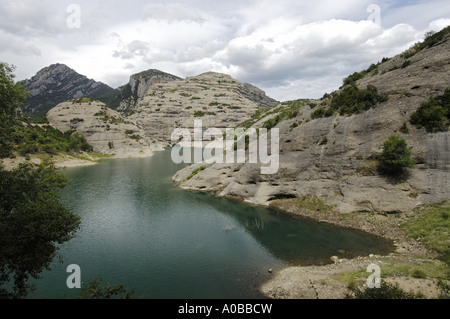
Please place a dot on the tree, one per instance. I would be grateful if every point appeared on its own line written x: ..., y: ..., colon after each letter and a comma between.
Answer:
x: 33, y: 224
x: 96, y: 289
x: 11, y: 94
x: 396, y: 156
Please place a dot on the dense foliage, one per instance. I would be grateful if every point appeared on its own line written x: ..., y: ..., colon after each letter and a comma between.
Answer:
x: 11, y: 94
x: 24, y: 138
x: 396, y: 156
x: 434, y: 114
x: 351, y: 100
x: 33, y: 223
x: 386, y: 291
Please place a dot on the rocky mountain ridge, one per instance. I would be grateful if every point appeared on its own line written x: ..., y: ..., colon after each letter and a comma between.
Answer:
x: 58, y: 83
x: 332, y: 157
x: 130, y: 94
x: 217, y: 99
x: 106, y: 130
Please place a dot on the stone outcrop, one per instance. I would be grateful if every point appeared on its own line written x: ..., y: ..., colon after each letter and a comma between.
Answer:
x: 332, y: 157
x: 105, y: 129
x: 137, y: 87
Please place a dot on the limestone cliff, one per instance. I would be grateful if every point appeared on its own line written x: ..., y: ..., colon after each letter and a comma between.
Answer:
x: 130, y: 94
x: 332, y: 157
x: 217, y: 99
x: 105, y: 129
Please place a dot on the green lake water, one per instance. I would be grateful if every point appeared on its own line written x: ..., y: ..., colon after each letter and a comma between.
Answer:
x: 140, y: 231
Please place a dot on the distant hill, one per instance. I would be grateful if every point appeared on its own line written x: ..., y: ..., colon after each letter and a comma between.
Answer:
x: 218, y: 99
x: 58, y: 83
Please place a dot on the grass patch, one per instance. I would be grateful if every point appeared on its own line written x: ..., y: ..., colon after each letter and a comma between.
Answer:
x: 195, y: 172
x: 431, y: 225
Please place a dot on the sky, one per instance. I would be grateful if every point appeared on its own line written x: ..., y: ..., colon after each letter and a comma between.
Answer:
x: 291, y: 49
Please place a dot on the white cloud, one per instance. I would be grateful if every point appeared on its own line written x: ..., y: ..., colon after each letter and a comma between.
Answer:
x: 291, y: 49
x: 171, y: 12
x: 30, y: 18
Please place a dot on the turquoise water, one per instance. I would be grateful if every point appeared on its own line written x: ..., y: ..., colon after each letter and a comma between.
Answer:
x: 141, y: 232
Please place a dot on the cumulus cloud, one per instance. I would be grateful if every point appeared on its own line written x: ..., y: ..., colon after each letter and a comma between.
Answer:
x: 289, y: 48
x: 132, y: 50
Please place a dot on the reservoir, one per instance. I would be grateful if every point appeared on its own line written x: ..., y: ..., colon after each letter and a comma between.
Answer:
x: 139, y: 231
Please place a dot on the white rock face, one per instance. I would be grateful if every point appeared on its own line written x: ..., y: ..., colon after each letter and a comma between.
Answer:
x: 331, y: 158
x: 217, y: 99
x: 106, y: 130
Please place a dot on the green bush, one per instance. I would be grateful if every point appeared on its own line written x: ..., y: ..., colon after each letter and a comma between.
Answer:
x: 396, y: 156
x: 418, y: 273
x: 434, y: 114
x: 406, y: 64
x: 351, y: 79
x: 199, y: 114
x: 351, y: 100
x: 386, y: 291
x: 12, y: 94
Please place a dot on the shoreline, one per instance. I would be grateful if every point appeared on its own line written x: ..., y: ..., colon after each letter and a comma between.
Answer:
x: 331, y: 281
x: 322, y: 281
x: 67, y: 161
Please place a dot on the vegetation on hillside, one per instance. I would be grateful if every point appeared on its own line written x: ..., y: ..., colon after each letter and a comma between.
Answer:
x: 12, y: 94
x: 23, y: 138
x: 431, y: 39
x: 20, y: 137
x: 433, y: 114
x: 350, y: 100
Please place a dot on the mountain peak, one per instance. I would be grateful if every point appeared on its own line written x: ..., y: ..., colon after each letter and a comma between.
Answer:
x: 57, y: 83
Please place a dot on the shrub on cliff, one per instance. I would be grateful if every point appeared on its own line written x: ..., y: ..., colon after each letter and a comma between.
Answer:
x: 433, y: 114
x: 396, y: 156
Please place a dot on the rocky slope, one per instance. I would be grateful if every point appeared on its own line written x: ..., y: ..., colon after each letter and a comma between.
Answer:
x: 217, y: 99
x: 130, y: 94
x: 331, y: 157
x: 58, y: 83
x: 105, y: 129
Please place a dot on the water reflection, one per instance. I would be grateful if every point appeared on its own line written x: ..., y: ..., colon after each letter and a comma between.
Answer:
x: 140, y: 231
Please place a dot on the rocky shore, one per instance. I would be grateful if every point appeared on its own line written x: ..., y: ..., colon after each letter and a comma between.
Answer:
x: 331, y: 281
